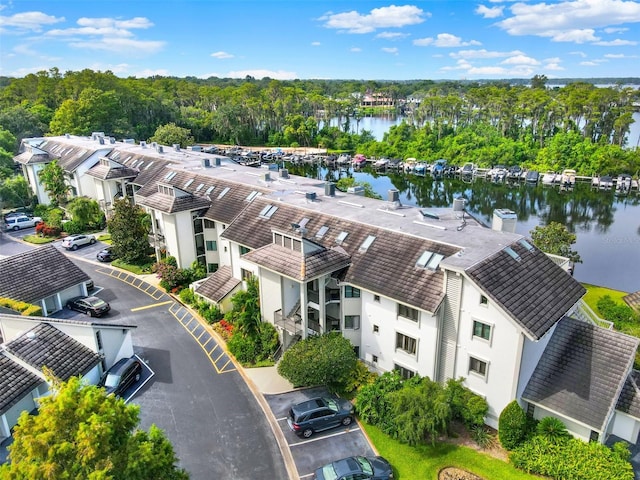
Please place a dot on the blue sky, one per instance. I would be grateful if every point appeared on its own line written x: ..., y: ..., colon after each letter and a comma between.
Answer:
x: 357, y: 39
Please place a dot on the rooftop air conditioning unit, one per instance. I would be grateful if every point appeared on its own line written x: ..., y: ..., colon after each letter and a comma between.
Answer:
x: 310, y: 196
x: 504, y: 220
x: 266, y: 177
x: 356, y: 190
x: 330, y: 189
x: 143, y: 144
x: 393, y: 195
x: 206, y: 163
x: 159, y: 149
x: 176, y: 147
x: 459, y: 204
x: 284, y: 173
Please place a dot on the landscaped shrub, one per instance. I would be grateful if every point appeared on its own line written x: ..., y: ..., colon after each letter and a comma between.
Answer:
x: 373, y: 403
x: 466, y: 406
x: 513, y: 426
x: 572, y: 459
x: 552, y: 429
x: 360, y: 376
x: 25, y: 309
x: 73, y: 228
x: 224, y: 329
x: 616, y: 312
x: 482, y: 436
x: 188, y: 296
x: 46, y: 230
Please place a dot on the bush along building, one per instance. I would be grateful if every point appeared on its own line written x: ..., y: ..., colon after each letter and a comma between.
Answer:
x: 424, y: 291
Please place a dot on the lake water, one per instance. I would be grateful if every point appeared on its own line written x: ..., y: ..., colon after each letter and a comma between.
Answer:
x: 607, y: 226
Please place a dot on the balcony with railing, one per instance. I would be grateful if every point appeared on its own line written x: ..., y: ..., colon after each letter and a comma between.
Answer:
x: 331, y: 295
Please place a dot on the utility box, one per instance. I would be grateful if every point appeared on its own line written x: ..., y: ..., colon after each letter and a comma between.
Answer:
x: 504, y: 220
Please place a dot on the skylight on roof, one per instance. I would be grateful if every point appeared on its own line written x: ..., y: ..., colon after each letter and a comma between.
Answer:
x: 209, y: 190
x: 147, y: 167
x: 140, y: 164
x: 223, y: 192
x: 199, y: 187
x: 170, y: 175
x: 267, y: 211
x: 424, y: 259
x: 324, y: 229
x: 116, y: 155
x: 367, y: 243
x: 341, y: 237
x: 434, y: 261
x: 526, y: 244
x: 252, y: 195
x: 512, y: 253
x: 188, y: 182
x: 303, y: 222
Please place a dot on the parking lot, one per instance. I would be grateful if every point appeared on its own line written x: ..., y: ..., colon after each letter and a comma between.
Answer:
x: 323, y: 447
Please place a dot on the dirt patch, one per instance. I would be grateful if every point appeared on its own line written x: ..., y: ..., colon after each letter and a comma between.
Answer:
x: 452, y: 473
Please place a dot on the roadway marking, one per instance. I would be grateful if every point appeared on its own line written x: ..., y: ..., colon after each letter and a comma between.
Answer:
x: 344, y: 432
x: 151, y: 306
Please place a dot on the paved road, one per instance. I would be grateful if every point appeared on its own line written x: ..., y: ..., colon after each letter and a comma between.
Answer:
x: 214, y: 422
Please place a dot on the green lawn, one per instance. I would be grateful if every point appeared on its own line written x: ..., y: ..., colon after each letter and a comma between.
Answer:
x: 38, y: 240
x: 425, y: 461
x: 595, y: 293
x: 135, y: 269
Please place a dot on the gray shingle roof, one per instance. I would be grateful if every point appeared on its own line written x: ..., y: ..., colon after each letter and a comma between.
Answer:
x: 534, y: 291
x: 388, y: 267
x: 105, y: 172
x: 15, y: 382
x: 45, y: 345
x: 294, y: 264
x: 170, y: 204
x: 30, y: 156
x: 69, y: 153
x: 218, y: 285
x: 629, y: 401
x: 582, y: 371
x: 37, y: 274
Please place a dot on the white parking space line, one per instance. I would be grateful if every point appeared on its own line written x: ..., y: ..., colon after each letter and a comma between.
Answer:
x: 307, y: 475
x: 143, y: 383
x: 326, y: 436
x: 280, y: 419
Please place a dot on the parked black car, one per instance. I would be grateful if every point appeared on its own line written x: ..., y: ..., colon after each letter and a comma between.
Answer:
x: 318, y: 414
x: 122, y: 374
x: 94, y: 306
x: 105, y: 255
x: 362, y: 468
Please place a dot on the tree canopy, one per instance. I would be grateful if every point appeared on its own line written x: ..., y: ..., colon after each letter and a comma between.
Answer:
x: 554, y: 238
x: 54, y: 183
x: 80, y: 432
x: 129, y: 228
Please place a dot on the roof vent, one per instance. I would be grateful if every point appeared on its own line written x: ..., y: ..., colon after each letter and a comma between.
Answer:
x: 159, y: 149
x: 284, y: 173
x: 143, y: 144
x: 393, y: 195
x: 66, y: 135
x: 206, y: 163
x: 101, y: 140
x: 218, y: 161
x: 176, y: 147
x: 310, y: 196
x: 266, y: 177
x: 195, y: 148
x: 356, y: 190
x: 130, y: 141
x: 459, y: 204
x: 504, y: 220
x: 112, y: 140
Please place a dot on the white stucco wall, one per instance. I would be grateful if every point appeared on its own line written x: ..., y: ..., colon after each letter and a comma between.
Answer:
x: 576, y: 429
x: 270, y: 294
x: 531, y: 354
x: 179, y: 237
x: 625, y: 427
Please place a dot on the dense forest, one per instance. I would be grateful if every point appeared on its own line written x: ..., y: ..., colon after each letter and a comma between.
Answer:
x: 537, y: 125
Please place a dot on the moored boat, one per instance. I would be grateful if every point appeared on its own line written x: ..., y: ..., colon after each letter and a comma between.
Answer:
x: 549, y: 177
x: 532, y: 176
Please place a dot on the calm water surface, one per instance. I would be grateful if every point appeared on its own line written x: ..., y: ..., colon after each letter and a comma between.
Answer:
x: 607, y: 226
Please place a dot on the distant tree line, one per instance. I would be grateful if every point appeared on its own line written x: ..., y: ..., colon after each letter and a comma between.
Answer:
x: 578, y: 126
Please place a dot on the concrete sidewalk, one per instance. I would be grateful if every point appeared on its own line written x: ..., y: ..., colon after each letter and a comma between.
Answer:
x: 267, y: 380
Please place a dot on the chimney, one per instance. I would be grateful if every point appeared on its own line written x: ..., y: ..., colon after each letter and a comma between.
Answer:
x: 504, y: 220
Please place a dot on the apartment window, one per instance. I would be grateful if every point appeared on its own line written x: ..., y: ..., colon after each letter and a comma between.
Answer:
x: 484, y: 300
x: 374, y: 359
x: 246, y: 274
x: 407, y: 312
x: 593, y: 436
x: 531, y: 409
x: 212, y: 267
x: 478, y: 367
x: 352, y: 322
x: 244, y: 250
x: 209, y: 224
x: 351, y: 292
x: 212, y: 246
x: 376, y: 329
x: 406, y: 343
x: 376, y: 298
x: 99, y: 340
x: 481, y: 330
x: 197, y: 226
x: 404, y: 372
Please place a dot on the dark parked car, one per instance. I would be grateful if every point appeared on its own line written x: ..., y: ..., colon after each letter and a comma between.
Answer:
x: 124, y: 373
x: 94, y: 306
x: 105, y: 255
x: 361, y: 468
x: 318, y: 414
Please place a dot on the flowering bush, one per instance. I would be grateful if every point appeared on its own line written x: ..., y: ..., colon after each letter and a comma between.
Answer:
x: 45, y: 230
x: 224, y: 329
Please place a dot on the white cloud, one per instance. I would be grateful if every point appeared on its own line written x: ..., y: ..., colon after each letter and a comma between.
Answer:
x: 616, y: 43
x: 89, y: 31
x: 161, y: 72
x: 391, y: 35
x: 589, y: 64
x: 423, y: 42
x: 569, y: 20
x: 28, y: 21
x: 520, y: 60
x: 391, y: 50
x: 619, y: 55
x: 355, y: 49
x: 553, y: 66
x: 484, y: 54
x: 261, y: 73
x: 489, y: 12
x: 315, y: 44
x: 385, y: 17
x: 615, y: 30
x: 221, y: 55
x: 448, y: 40
x: 580, y: 54
x: 121, y: 45
x: 106, y: 22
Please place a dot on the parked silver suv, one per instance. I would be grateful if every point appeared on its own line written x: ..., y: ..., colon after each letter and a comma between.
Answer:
x: 72, y: 242
x: 18, y: 222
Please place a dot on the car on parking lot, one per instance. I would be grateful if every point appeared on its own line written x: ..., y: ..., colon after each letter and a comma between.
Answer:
x: 105, y: 255
x: 93, y: 306
x: 352, y: 468
x: 122, y: 374
x: 72, y: 242
x: 318, y: 414
x: 18, y: 222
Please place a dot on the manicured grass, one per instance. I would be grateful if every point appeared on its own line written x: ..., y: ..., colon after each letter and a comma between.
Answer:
x: 595, y: 293
x: 38, y: 240
x: 135, y: 269
x: 425, y: 461
x: 105, y: 237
